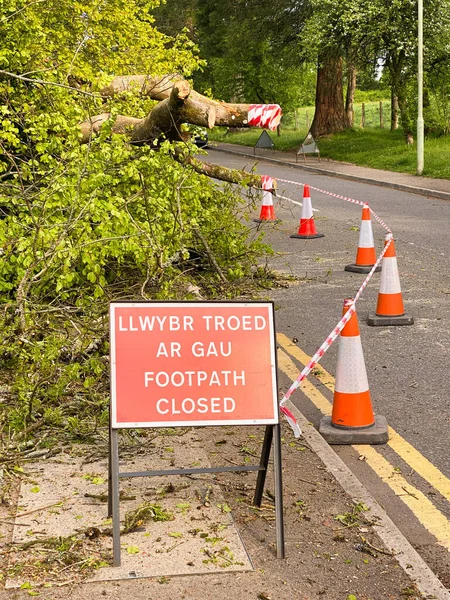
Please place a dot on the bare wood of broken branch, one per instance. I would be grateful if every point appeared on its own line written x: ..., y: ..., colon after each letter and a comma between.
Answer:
x: 160, y: 88
x: 177, y: 99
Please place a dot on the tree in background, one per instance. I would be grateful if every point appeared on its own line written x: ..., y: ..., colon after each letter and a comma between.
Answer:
x: 256, y: 47
x: 245, y: 60
x: 384, y: 32
x: 264, y: 49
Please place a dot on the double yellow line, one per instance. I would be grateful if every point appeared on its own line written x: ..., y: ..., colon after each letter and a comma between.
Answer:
x: 424, y: 510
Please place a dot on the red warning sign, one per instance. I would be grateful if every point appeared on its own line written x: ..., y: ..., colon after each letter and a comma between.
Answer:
x: 192, y: 363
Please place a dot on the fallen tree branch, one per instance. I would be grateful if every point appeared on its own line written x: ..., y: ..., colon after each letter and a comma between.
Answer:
x: 218, y: 172
x: 159, y: 88
x: 178, y: 104
x: 44, y: 82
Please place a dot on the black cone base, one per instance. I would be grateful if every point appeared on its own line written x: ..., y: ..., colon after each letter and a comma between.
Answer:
x: 387, y: 321
x: 307, y: 237
x: 375, y: 434
x: 354, y: 268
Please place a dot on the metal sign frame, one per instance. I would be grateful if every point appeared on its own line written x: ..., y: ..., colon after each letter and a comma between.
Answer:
x: 309, y: 146
x: 272, y: 437
x: 264, y: 141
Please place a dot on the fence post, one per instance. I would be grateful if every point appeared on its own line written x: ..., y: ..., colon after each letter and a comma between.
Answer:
x: 363, y: 115
x: 295, y: 120
x: 307, y: 121
x: 381, y: 114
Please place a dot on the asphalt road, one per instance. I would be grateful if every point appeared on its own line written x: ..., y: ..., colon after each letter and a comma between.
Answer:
x: 407, y: 367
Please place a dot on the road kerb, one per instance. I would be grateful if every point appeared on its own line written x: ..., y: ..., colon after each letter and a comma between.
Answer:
x: 411, y: 562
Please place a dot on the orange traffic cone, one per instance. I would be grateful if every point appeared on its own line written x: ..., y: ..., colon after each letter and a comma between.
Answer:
x: 267, y: 212
x: 390, y: 309
x: 365, y: 256
x: 352, y: 420
x: 307, y: 229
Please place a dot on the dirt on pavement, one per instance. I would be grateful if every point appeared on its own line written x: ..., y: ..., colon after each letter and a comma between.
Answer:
x: 332, y: 549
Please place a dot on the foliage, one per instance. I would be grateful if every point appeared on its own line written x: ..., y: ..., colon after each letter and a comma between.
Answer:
x: 83, y: 225
x: 84, y: 39
x: 437, y: 106
x: 371, y: 95
x: 256, y: 48
x: 243, y: 66
x: 245, y: 62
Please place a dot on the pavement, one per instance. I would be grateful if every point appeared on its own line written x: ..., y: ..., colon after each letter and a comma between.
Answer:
x: 425, y: 186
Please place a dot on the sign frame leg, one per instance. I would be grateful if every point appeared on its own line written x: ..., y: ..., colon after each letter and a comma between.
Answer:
x: 110, y: 509
x: 278, y: 467
x: 272, y: 434
x: 264, y: 462
x: 114, y: 496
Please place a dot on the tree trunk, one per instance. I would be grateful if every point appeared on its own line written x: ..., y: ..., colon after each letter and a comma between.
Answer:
x: 351, y: 87
x: 399, y: 84
x: 330, y: 114
x: 394, y: 110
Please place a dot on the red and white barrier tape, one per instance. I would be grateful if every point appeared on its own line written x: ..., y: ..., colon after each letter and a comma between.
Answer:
x: 377, y: 218
x: 346, y: 198
x: 336, y: 331
x: 267, y: 182
x: 340, y: 326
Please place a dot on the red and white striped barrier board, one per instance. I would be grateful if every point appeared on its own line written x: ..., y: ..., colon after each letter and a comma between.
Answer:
x: 267, y: 116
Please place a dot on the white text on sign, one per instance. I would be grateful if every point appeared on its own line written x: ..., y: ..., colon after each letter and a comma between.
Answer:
x: 186, y: 323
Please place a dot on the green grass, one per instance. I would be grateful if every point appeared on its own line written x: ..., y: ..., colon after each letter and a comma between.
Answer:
x: 371, y: 147
x: 383, y: 149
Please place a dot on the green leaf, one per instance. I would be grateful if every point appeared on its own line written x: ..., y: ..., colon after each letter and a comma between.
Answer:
x: 132, y: 549
x: 97, y: 480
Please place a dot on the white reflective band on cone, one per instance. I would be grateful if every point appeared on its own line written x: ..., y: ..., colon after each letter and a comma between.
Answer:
x: 267, y: 199
x: 390, y: 281
x: 307, y: 212
x: 351, y: 376
x: 366, y: 235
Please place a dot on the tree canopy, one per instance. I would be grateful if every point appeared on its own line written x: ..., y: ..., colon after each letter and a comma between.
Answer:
x: 259, y: 47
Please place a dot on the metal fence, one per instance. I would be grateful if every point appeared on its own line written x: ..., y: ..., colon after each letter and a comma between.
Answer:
x: 365, y: 114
